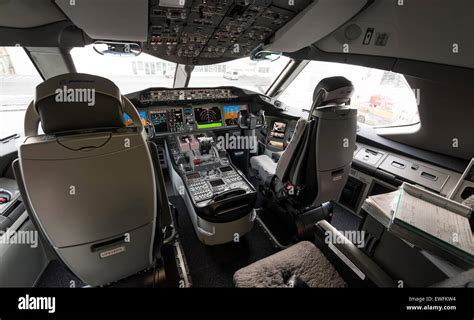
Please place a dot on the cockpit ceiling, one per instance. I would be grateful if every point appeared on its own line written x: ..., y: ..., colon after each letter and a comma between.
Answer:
x: 28, y: 14
x: 435, y: 31
x: 211, y: 31
x: 197, y: 32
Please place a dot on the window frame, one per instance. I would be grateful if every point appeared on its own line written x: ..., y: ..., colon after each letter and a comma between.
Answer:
x: 19, y: 129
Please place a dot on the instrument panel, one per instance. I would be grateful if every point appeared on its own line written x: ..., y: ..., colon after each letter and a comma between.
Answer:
x: 129, y: 121
x: 191, y: 118
x: 180, y: 110
x: 157, y: 95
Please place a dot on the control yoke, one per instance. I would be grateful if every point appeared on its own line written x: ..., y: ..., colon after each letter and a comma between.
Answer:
x: 250, y: 121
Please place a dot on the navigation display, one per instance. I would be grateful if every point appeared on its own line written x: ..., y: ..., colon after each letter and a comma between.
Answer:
x: 208, y: 117
x: 231, y: 114
x: 129, y: 121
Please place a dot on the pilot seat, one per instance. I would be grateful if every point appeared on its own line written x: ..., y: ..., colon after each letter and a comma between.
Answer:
x: 89, y: 182
x: 315, y: 165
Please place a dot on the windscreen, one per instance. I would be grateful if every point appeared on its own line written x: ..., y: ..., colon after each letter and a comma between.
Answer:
x: 128, y: 73
x: 243, y: 73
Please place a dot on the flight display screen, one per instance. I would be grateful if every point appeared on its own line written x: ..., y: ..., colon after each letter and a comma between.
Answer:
x: 231, y: 114
x: 208, y: 117
x: 159, y: 120
x: 279, y: 129
x: 129, y: 121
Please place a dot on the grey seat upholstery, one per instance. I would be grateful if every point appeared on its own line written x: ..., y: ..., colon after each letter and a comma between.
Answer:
x: 265, y: 166
x: 316, y: 163
x: 89, y: 182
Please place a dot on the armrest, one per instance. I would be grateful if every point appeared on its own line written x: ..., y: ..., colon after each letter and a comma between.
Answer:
x: 5, y: 223
x: 364, y: 263
x: 276, y: 156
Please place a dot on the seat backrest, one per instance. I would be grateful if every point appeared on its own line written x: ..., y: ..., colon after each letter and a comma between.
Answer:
x: 319, y: 156
x: 89, y: 181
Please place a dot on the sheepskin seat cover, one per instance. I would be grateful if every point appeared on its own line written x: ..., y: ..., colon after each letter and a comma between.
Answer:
x: 303, y: 260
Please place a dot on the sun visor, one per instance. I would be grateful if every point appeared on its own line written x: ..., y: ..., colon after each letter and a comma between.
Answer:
x: 317, y: 21
x: 109, y: 19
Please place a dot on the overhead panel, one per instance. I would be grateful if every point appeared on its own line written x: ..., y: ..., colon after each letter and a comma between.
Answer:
x: 209, y: 31
x: 320, y: 19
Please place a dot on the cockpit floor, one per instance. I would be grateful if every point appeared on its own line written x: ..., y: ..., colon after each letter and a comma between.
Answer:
x: 214, y: 266
x: 208, y: 266
x: 56, y: 275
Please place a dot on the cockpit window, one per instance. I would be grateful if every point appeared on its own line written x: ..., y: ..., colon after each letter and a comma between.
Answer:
x: 243, y: 73
x: 18, y: 79
x: 382, y: 98
x: 128, y: 73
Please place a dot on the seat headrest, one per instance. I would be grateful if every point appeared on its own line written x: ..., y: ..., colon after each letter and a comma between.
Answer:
x: 78, y: 101
x: 337, y: 90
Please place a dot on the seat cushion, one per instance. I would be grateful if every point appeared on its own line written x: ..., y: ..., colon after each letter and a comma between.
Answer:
x: 265, y: 166
x: 303, y: 260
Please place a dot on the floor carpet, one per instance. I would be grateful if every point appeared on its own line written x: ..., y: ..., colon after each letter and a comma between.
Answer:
x: 214, y: 266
